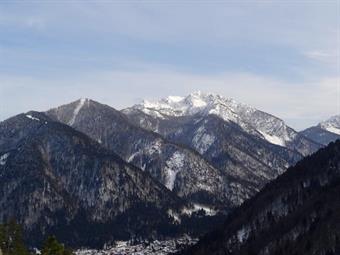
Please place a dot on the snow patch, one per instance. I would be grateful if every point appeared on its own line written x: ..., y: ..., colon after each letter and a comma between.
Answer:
x: 133, y: 155
x: 202, y: 140
x: 273, y: 139
x: 175, y: 99
x: 332, y: 124
x: 333, y: 130
x: 197, y: 207
x: 173, y: 166
x: 155, y: 147
x: 31, y: 117
x: 242, y: 234
x: 3, y: 159
x: 174, y: 215
x: 306, y: 184
x: 196, y: 100
x: 76, y: 110
x: 208, y: 210
x: 36, y: 251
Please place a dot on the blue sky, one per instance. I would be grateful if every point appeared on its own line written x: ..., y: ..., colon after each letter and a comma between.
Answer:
x: 279, y: 56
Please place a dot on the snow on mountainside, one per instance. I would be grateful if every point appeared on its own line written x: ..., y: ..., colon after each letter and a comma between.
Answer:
x: 239, y: 140
x: 178, y: 168
x: 77, y: 109
x: 253, y: 121
x: 331, y: 125
x: 325, y: 132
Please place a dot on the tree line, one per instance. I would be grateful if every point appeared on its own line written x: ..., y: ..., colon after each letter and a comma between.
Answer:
x: 12, y: 242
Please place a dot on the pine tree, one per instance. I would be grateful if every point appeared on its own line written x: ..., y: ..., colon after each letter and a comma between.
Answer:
x: 11, y: 239
x: 53, y: 247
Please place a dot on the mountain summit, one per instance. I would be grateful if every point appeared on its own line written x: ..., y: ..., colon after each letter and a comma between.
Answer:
x: 325, y: 132
x: 253, y: 121
x: 241, y: 141
x: 331, y: 125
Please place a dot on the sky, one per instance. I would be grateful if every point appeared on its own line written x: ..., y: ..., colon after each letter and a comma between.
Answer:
x: 282, y: 57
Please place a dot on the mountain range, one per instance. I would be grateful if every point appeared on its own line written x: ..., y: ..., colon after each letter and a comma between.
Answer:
x: 177, y: 167
x: 91, y: 174
x: 237, y: 139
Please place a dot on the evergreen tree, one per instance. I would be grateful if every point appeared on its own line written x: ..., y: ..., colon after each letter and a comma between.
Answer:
x: 53, y: 247
x: 11, y: 240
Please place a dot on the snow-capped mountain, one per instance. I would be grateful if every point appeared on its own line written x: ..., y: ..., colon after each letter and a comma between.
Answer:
x: 325, y: 132
x: 177, y: 167
x: 237, y: 139
x: 331, y: 125
x: 251, y: 120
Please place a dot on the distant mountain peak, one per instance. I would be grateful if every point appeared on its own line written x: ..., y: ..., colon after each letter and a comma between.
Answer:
x: 332, y: 124
x: 196, y: 102
x: 325, y: 132
x: 81, y: 103
x: 68, y: 113
x: 254, y: 121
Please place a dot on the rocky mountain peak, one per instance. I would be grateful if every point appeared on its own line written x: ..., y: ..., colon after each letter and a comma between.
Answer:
x: 196, y: 102
x: 325, y: 132
x: 331, y: 125
x: 250, y: 119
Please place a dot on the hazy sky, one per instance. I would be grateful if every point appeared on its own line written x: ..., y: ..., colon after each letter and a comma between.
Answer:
x: 279, y: 56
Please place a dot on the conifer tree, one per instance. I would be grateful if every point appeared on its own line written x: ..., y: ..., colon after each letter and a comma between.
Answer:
x: 11, y: 239
x: 53, y: 247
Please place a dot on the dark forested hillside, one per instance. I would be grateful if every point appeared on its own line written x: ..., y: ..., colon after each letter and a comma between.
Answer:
x: 298, y: 213
x: 320, y: 135
x: 56, y: 180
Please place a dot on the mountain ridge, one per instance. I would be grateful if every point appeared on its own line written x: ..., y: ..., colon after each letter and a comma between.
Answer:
x: 294, y: 214
x: 325, y: 132
x: 55, y: 177
x: 253, y: 121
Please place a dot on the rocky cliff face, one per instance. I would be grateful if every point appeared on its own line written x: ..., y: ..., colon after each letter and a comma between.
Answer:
x: 251, y: 120
x: 298, y: 213
x: 54, y: 179
x: 229, y: 148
